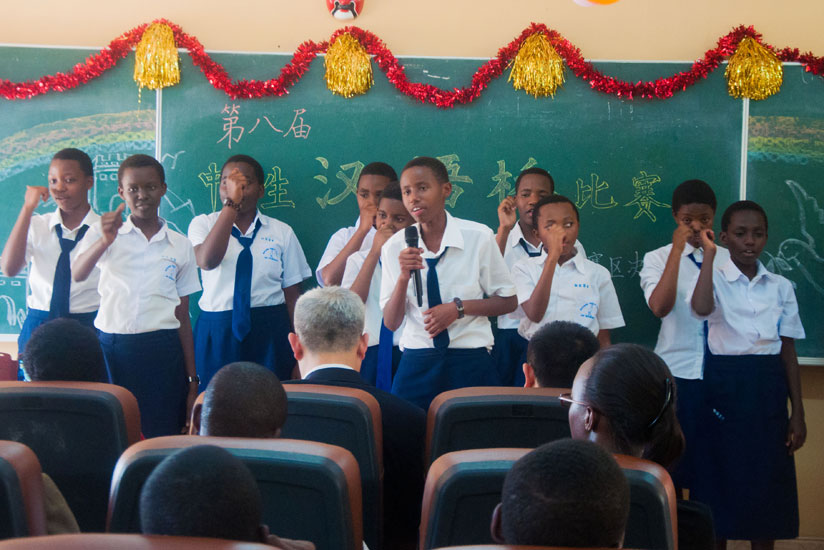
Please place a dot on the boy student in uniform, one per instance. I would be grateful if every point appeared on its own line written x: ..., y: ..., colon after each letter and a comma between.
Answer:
x: 667, y: 277
x: 252, y: 267
x: 348, y: 240
x: 49, y: 242
x: 147, y: 272
x: 563, y: 284
x: 445, y: 342
x: 747, y: 475
x: 362, y: 277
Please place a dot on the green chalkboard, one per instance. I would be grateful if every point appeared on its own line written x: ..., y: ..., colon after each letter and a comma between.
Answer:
x: 785, y: 174
x: 618, y: 160
x: 107, y: 118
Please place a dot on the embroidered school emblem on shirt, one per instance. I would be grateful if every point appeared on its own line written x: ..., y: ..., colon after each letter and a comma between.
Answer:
x: 272, y: 254
x: 589, y: 310
x: 170, y: 272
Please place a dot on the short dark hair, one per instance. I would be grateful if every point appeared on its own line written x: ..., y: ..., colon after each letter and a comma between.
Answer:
x: 741, y: 206
x: 243, y: 400
x: 64, y: 349
x: 378, y: 169
x: 565, y: 493
x: 557, y: 350
x: 202, y: 491
x: 538, y: 171
x: 392, y: 191
x: 70, y: 153
x: 246, y: 159
x: 552, y: 199
x: 633, y: 387
x: 693, y: 192
x: 141, y: 161
x: 434, y: 165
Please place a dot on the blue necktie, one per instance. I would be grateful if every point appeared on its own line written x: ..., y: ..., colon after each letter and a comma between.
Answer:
x: 433, y: 295
x: 526, y: 249
x: 383, y: 379
x: 691, y: 256
x: 61, y: 288
x: 242, y: 303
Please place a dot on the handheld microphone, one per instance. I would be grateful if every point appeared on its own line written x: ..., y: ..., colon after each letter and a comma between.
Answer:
x: 411, y: 236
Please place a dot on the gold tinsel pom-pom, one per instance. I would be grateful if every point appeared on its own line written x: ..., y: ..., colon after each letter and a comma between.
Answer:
x: 753, y: 71
x: 537, y: 68
x: 348, y: 67
x: 156, y: 59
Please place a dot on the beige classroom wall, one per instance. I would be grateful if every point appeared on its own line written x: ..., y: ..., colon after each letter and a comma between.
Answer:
x: 628, y: 30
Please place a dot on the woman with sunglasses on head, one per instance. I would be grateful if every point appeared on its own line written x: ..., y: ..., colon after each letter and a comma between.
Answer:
x: 623, y: 399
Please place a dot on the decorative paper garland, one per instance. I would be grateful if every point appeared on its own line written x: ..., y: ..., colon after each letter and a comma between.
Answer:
x: 217, y: 76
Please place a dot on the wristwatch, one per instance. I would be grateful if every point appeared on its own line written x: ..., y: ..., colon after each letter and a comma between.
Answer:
x: 459, y: 305
x: 194, y: 378
x: 231, y: 204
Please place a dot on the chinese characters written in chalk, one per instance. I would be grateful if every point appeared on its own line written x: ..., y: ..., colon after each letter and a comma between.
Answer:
x: 503, y: 187
x: 275, y: 192
x: 233, y: 131
x: 619, y: 266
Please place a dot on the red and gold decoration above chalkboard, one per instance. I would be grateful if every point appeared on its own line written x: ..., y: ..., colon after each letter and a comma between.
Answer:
x: 754, y: 70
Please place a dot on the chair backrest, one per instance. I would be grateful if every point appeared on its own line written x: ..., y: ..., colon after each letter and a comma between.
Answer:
x: 8, y: 367
x: 481, y: 418
x: 652, y: 517
x: 460, y: 494
x: 105, y: 541
x: 465, y: 486
x: 77, y: 430
x: 311, y: 491
x: 22, y: 512
x: 349, y: 418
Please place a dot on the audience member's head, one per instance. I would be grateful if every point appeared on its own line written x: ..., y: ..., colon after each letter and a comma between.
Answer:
x: 329, y: 329
x: 555, y: 352
x: 202, y: 491
x: 242, y: 400
x: 565, y: 493
x: 64, y: 349
x: 624, y: 399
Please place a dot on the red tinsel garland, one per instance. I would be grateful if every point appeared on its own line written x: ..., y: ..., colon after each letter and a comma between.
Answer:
x: 217, y: 76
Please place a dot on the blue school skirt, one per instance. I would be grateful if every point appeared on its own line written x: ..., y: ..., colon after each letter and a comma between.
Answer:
x: 688, y: 411
x: 37, y: 317
x: 150, y: 365
x: 267, y: 342
x: 369, y: 365
x: 424, y: 373
x: 509, y: 353
x: 742, y: 470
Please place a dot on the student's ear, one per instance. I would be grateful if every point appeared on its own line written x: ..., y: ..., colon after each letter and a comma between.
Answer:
x: 89, y: 182
x: 164, y: 188
x: 447, y: 188
x: 120, y: 191
x: 363, y: 345
x: 723, y: 238
x: 495, y: 526
x: 194, y: 427
x: 277, y: 433
x: 297, y: 347
x: 591, y: 420
x: 529, y: 375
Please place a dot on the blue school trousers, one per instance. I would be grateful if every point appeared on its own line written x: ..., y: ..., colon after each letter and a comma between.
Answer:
x: 267, y: 342
x: 424, y: 373
x: 369, y: 365
x: 37, y: 317
x: 509, y: 353
x: 744, y: 473
x: 150, y: 365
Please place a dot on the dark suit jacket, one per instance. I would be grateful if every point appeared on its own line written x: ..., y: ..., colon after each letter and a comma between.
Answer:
x: 404, y: 433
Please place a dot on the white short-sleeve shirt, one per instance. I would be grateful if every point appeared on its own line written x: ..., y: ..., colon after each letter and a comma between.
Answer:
x: 471, y: 268
x: 681, y: 338
x: 141, y: 280
x: 513, y: 253
x: 374, y: 314
x: 750, y: 316
x: 277, y: 262
x: 336, y: 244
x: 582, y: 292
x: 42, y: 253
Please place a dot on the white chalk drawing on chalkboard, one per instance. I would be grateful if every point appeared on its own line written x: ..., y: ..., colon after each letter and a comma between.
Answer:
x: 14, y: 315
x: 800, y: 254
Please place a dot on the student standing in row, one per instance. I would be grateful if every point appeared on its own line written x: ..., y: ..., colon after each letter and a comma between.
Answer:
x: 348, y: 240
x: 747, y: 475
x: 252, y: 267
x: 48, y: 242
x: 147, y: 272
x: 446, y: 342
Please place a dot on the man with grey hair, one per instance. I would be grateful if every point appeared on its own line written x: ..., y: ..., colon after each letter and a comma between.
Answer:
x: 329, y: 346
